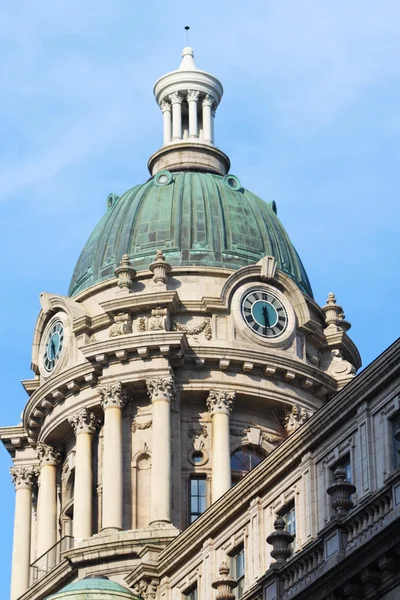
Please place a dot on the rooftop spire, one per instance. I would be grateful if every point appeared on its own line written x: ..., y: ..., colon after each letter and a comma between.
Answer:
x: 188, y: 99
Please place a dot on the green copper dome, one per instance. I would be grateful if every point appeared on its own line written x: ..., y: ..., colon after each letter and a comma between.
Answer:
x: 97, y: 588
x: 196, y: 219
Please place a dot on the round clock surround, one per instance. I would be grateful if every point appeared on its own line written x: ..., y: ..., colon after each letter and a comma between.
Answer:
x: 264, y: 313
x: 271, y: 320
x: 53, y: 343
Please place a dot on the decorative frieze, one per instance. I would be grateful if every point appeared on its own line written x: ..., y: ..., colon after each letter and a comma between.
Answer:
x: 47, y: 455
x: 122, y: 325
x: 24, y: 477
x: 125, y: 273
x: 113, y: 395
x: 157, y: 321
x: 220, y: 401
x: 160, y: 269
x: 147, y: 589
x: 84, y: 421
x: 141, y: 426
x: 297, y: 416
x: 161, y: 388
x: 204, y: 327
x: 195, y: 433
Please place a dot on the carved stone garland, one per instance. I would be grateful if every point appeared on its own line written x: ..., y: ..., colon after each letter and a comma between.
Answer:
x: 204, y: 327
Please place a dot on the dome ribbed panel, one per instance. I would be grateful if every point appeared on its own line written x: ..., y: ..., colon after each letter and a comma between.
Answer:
x: 196, y: 220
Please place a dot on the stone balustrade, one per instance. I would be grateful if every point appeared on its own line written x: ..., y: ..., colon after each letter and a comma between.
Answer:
x: 303, y: 569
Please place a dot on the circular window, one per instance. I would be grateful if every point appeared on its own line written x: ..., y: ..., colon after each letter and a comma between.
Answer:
x: 232, y: 182
x: 198, y: 457
x: 162, y: 178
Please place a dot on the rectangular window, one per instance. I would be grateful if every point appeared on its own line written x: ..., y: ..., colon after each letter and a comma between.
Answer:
x: 237, y: 570
x: 396, y: 442
x: 191, y: 593
x: 197, y: 497
x: 288, y: 514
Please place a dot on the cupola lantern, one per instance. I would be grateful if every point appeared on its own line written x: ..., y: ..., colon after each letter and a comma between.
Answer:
x: 188, y: 99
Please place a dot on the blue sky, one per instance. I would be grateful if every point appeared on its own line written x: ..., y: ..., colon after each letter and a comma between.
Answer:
x: 310, y: 118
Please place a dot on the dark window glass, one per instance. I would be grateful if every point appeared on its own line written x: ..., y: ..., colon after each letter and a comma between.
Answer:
x: 197, y: 497
x: 246, y: 458
x: 192, y: 593
x: 237, y: 571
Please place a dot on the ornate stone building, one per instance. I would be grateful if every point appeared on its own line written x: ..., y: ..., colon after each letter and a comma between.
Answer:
x: 195, y: 427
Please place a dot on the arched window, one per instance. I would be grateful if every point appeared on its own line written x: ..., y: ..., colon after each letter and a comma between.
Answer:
x: 244, y: 459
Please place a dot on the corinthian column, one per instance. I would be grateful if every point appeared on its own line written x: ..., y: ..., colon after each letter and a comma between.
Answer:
x: 176, y: 101
x: 208, y: 103
x: 161, y: 391
x: 49, y: 460
x: 192, y: 99
x: 84, y: 424
x: 113, y: 400
x: 220, y: 405
x: 23, y: 479
x: 167, y: 118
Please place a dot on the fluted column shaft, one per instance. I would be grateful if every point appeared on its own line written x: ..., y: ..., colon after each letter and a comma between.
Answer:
x: 161, y: 391
x: 219, y: 404
x: 84, y: 424
x: 167, y: 118
x: 23, y: 479
x: 113, y: 401
x: 208, y: 103
x: 176, y: 101
x: 49, y: 460
x: 192, y: 99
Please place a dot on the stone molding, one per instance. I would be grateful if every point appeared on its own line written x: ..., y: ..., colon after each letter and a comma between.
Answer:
x: 208, y: 100
x: 220, y: 402
x: 165, y: 106
x: 24, y: 477
x: 147, y: 589
x: 84, y: 421
x: 161, y: 388
x: 112, y: 395
x: 47, y: 455
x: 176, y: 98
x: 192, y: 96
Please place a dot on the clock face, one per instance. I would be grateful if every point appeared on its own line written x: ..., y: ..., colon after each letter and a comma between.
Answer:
x: 54, y: 345
x: 264, y: 313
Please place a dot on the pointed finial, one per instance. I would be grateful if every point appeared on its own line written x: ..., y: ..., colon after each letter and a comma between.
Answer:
x: 187, y: 34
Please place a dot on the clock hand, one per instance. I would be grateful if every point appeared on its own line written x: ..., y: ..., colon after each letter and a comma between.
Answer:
x: 266, y: 320
x: 53, y: 349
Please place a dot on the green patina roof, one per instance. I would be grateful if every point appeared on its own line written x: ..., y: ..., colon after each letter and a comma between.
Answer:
x: 94, y: 584
x: 196, y: 219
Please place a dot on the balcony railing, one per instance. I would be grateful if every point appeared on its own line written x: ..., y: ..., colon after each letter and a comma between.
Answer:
x: 49, y: 559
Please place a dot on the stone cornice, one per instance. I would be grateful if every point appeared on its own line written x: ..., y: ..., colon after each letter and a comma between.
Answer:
x: 14, y: 438
x: 284, y: 457
x: 42, y: 401
x: 142, y: 301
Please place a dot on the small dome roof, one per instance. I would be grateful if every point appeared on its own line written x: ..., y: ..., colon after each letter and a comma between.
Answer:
x: 99, y: 587
x: 196, y: 219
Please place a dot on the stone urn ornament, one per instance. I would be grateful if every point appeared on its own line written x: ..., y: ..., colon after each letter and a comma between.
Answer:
x: 280, y: 539
x: 341, y: 492
x: 224, y: 584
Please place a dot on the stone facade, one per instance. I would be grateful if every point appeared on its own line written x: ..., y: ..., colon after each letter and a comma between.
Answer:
x: 152, y: 395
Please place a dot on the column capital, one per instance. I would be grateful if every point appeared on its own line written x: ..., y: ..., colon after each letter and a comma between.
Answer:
x: 84, y: 421
x: 48, y: 455
x: 220, y: 401
x: 175, y: 98
x: 161, y: 388
x: 165, y: 106
x: 192, y: 96
x: 113, y: 395
x: 24, y: 477
x: 208, y: 100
